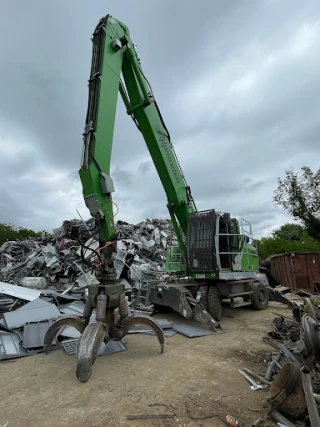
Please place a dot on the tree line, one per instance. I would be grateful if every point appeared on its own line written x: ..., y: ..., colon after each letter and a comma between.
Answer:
x: 11, y: 232
x: 299, y: 195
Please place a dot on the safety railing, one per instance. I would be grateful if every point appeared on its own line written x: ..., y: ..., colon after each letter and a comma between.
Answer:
x: 244, y: 252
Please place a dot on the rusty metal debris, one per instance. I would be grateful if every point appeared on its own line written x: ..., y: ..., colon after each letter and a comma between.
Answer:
x: 310, y: 398
x: 292, y: 368
x: 298, y: 271
x: 254, y: 386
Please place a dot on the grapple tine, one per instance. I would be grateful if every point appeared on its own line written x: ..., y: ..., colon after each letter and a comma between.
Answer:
x: 88, y: 348
x: 75, y: 321
x: 146, y: 321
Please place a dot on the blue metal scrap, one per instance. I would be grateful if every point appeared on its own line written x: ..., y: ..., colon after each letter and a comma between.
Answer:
x: 34, y: 333
x: 10, y: 346
x: 190, y: 331
x: 33, y: 311
x: 70, y: 347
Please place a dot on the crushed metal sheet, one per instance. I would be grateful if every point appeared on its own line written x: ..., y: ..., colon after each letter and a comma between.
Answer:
x: 76, y: 307
x: 54, y: 294
x: 167, y: 333
x: 6, y: 303
x: 19, y: 292
x: 3, y: 326
x: 112, y: 347
x: 85, y: 279
x: 10, y: 346
x: 34, y: 333
x: 70, y: 347
x: 33, y: 311
x: 164, y: 323
x: 190, y: 331
x: 139, y: 329
x: 70, y: 332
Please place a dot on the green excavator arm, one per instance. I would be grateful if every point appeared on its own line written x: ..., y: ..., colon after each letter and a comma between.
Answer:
x: 117, y: 68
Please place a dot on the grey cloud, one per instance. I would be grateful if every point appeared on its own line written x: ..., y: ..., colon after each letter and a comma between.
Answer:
x: 233, y: 138
x: 145, y: 166
x: 122, y: 176
x: 12, y: 210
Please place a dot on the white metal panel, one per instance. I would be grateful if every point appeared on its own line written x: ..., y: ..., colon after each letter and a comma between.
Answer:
x: 19, y: 292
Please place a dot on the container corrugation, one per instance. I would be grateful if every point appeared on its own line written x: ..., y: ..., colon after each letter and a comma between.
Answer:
x: 298, y: 271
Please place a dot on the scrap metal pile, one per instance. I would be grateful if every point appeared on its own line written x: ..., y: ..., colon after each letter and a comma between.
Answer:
x: 62, y: 259
x: 293, y: 368
x: 43, y: 279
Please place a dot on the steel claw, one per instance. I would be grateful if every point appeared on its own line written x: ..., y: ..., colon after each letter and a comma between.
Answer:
x: 88, y: 347
x: 130, y: 322
x: 74, y: 321
x: 93, y: 334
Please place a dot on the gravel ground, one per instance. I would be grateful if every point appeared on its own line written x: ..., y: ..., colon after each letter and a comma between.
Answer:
x: 196, y: 379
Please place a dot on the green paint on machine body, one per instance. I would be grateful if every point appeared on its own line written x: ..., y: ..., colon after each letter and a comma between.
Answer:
x: 200, y: 235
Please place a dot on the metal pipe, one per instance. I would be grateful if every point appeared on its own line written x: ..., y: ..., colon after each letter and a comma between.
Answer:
x: 317, y: 397
x: 124, y: 97
x: 271, y: 366
x: 257, y: 377
x: 279, y: 418
x: 311, y: 402
x: 133, y: 59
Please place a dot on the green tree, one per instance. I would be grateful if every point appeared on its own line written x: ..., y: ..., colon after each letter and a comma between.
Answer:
x: 11, y: 232
x: 280, y: 243
x: 289, y: 232
x: 300, y: 196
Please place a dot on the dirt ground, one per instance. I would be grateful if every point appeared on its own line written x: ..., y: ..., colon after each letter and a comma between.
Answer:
x: 196, y: 379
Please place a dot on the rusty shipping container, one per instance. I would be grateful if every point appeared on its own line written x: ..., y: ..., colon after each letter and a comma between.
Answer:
x: 298, y: 271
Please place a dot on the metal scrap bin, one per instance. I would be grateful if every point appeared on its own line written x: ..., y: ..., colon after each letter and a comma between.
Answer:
x: 298, y: 271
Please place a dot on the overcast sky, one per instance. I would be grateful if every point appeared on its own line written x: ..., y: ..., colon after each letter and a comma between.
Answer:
x: 237, y: 82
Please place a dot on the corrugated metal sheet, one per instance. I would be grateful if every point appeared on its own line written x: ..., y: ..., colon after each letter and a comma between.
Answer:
x: 190, y: 331
x: 70, y: 347
x: 34, y: 333
x: 19, y: 292
x: 10, y: 346
x: 299, y: 271
x: 33, y: 311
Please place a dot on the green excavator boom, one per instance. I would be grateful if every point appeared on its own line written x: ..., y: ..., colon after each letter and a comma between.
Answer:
x: 117, y: 68
x: 201, y: 236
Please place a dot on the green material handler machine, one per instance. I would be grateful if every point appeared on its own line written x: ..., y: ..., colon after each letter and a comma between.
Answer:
x: 213, y: 258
